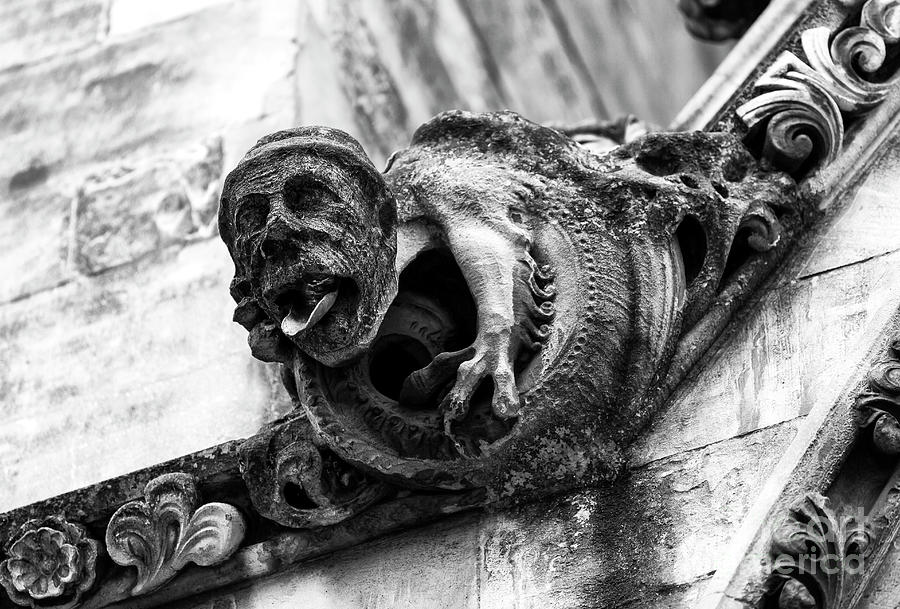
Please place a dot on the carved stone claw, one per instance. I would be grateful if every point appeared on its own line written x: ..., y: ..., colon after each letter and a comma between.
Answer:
x: 422, y: 386
x: 488, y: 362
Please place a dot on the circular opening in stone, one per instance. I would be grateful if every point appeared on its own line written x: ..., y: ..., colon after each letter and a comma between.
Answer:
x: 395, y: 357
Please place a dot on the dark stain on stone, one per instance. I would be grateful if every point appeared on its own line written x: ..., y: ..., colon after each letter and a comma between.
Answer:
x: 36, y: 173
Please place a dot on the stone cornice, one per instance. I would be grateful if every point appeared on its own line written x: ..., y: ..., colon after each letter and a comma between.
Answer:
x: 209, y: 490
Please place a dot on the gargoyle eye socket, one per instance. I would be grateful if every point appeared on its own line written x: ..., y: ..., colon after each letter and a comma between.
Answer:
x: 252, y: 213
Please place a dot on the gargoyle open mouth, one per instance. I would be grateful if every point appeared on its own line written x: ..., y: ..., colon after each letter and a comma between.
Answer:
x: 309, y: 298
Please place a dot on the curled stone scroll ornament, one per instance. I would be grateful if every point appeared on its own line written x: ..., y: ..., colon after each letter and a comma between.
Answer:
x: 167, y: 530
x: 801, y: 107
x: 500, y: 310
x: 879, y: 406
x: 299, y: 483
x: 51, y: 563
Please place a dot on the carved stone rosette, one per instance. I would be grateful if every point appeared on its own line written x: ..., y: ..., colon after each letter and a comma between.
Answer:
x: 51, y: 563
x: 802, y: 107
x: 168, y: 530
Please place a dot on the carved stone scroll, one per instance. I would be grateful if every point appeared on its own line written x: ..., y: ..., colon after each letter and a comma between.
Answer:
x: 296, y: 482
x: 801, y: 110
x: 168, y: 529
x: 879, y: 407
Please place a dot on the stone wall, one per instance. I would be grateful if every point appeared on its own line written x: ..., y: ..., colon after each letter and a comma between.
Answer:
x: 118, y: 122
x: 118, y: 119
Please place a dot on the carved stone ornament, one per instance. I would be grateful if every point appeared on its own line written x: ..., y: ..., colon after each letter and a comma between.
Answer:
x: 297, y: 482
x: 879, y: 407
x: 813, y: 555
x: 167, y: 530
x: 501, y: 309
x: 801, y: 107
x: 50, y: 563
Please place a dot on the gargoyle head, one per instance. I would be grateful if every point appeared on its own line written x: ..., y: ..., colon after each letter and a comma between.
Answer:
x: 311, y: 228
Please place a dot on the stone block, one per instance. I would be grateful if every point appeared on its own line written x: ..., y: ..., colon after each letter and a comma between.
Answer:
x: 124, y: 212
x: 33, y: 30
x: 34, y: 237
x: 163, y: 88
x: 141, y: 362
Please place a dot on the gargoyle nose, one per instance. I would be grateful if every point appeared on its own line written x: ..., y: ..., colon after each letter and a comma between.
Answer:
x: 278, y: 238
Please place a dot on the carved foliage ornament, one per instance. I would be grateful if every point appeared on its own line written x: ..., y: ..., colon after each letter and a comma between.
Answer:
x: 814, y: 555
x: 879, y: 407
x: 500, y: 310
x: 51, y: 563
x: 167, y: 530
x: 800, y: 108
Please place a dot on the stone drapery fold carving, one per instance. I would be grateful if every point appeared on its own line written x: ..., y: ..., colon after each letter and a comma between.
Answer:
x: 51, y: 563
x: 801, y: 108
x: 502, y: 309
x: 168, y: 529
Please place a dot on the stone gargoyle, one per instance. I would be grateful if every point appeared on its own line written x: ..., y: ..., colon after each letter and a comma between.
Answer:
x: 500, y: 311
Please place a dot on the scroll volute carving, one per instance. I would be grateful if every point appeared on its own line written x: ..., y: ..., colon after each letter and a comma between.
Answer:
x: 299, y: 483
x: 501, y: 308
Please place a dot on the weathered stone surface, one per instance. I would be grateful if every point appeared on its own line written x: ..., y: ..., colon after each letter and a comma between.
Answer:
x: 617, y: 40
x: 33, y: 30
x: 122, y: 372
x: 655, y: 535
x: 34, y: 237
x: 165, y: 87
x: 126, y: 16
x: 795, y: 345
x: 865, y: 226
x: 511, y: 31
x: 124, y: 212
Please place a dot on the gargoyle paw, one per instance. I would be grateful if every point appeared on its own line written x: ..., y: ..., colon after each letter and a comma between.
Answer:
x: 505, y: 401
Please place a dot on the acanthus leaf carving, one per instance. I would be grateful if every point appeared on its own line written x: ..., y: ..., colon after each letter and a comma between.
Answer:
x: 800, y: 117
x: 813, y: 554
x: 167, y: 530
x: 803, y: 107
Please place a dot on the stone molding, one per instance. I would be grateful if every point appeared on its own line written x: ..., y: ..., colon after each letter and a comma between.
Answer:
x: 260, y: 526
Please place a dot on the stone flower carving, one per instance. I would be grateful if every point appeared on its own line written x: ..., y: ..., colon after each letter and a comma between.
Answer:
x: 49, y: 560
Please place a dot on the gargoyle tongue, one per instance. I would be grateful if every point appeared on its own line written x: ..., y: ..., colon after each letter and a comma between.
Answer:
x: 296, y: 321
